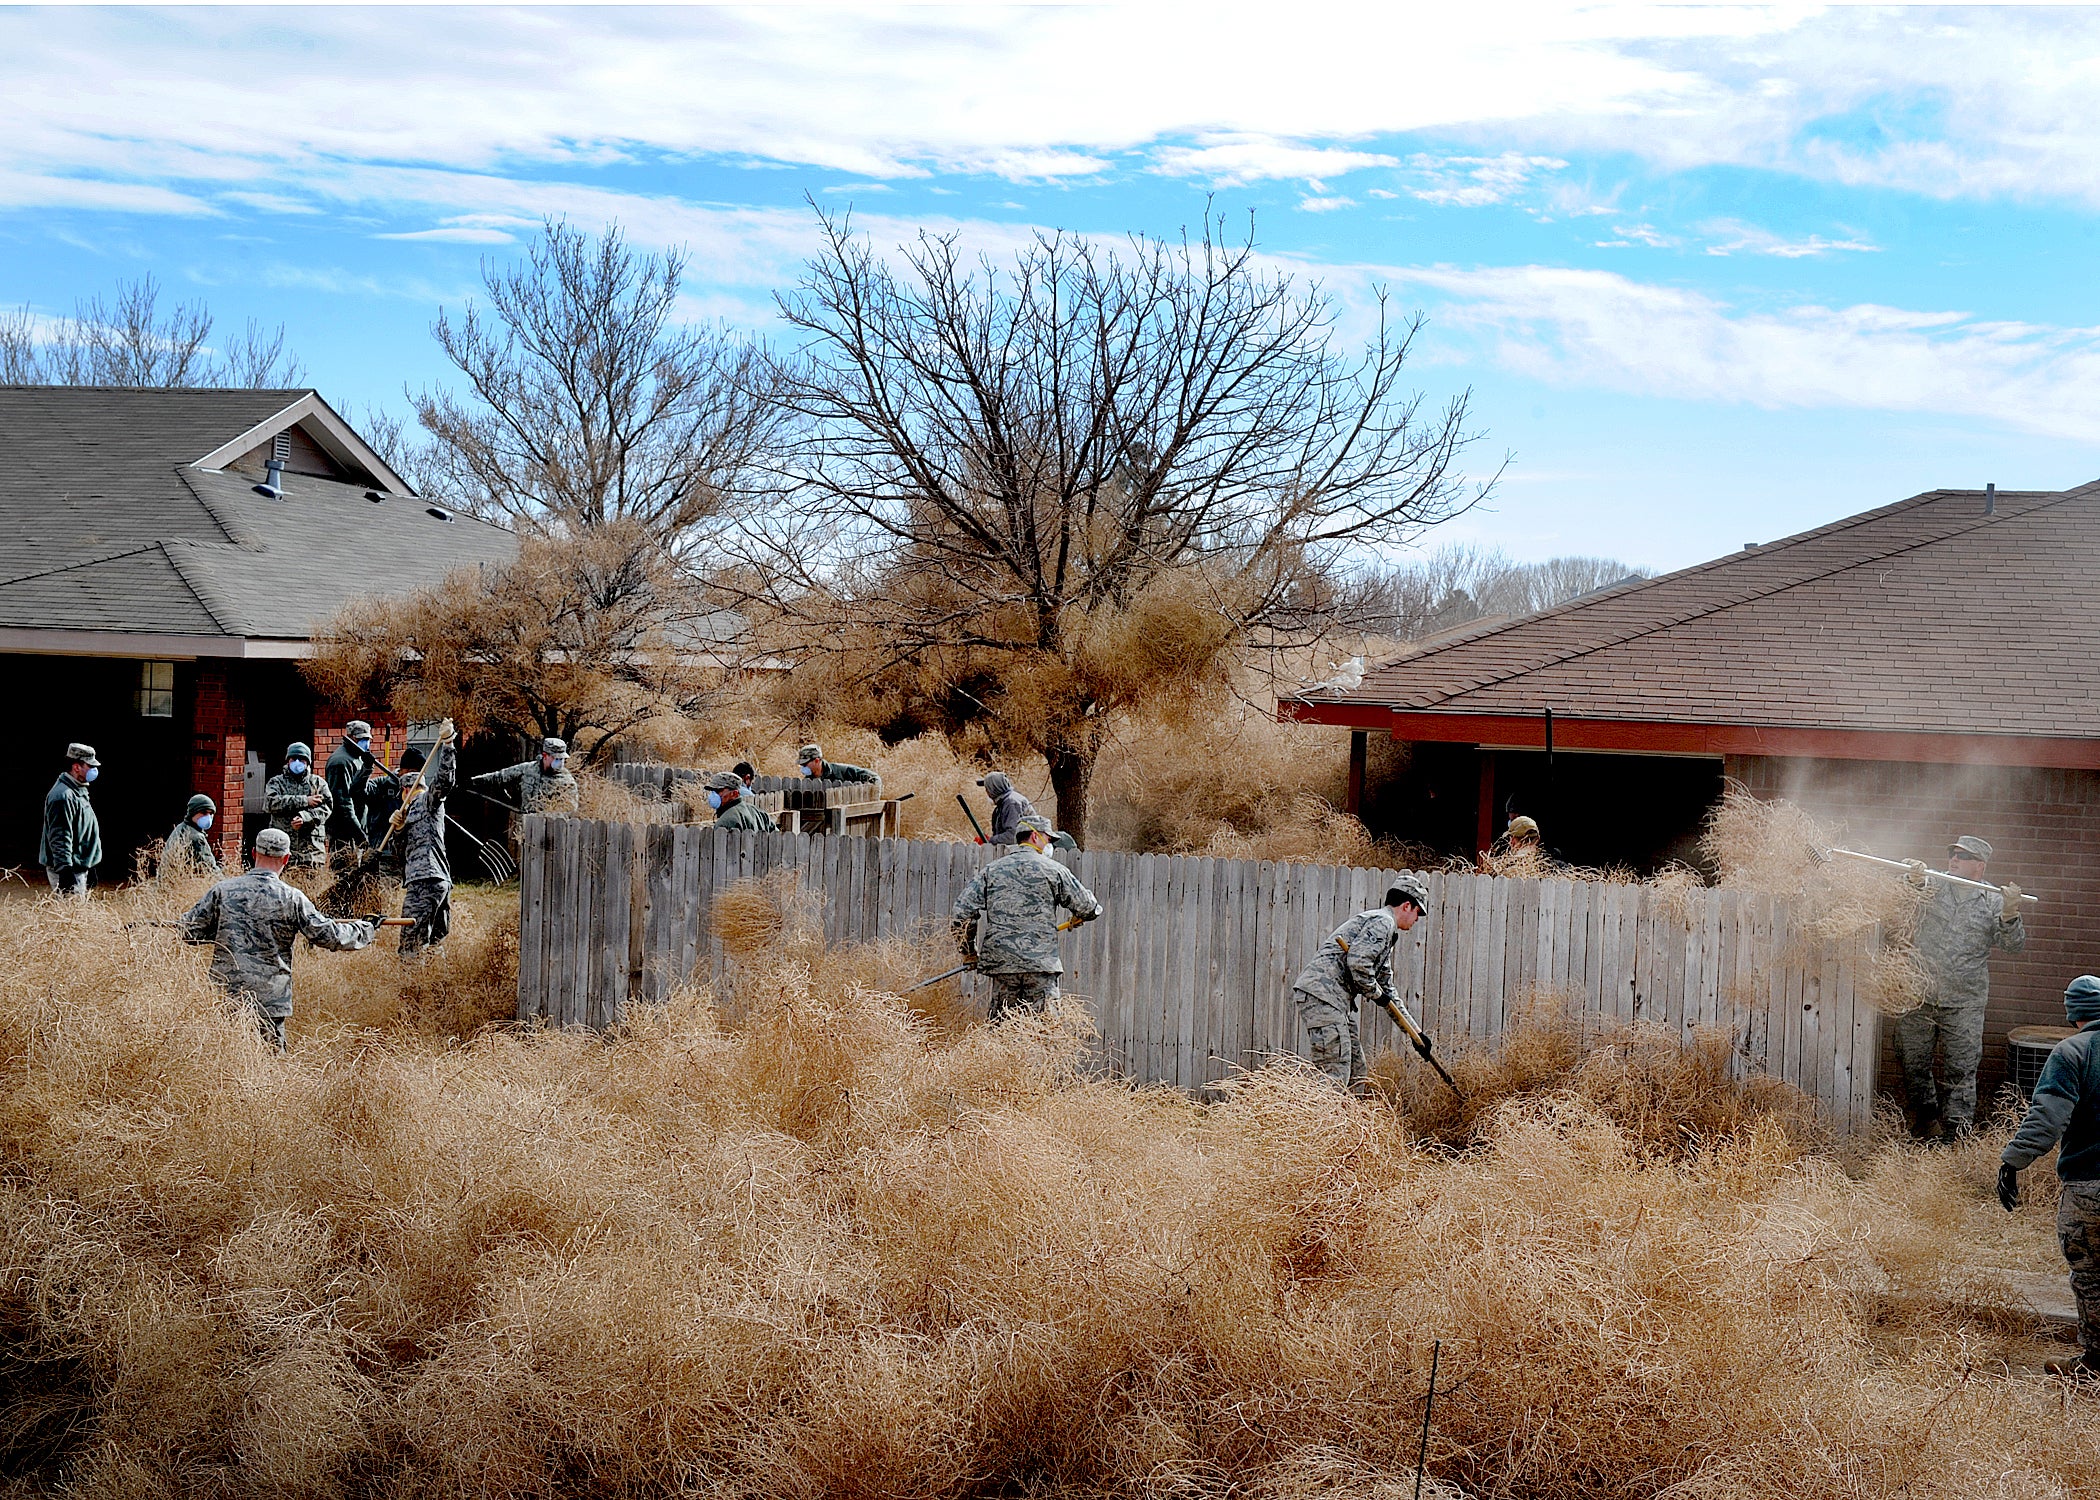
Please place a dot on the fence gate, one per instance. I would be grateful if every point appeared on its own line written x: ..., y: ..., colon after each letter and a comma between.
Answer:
x: 1188, y: 972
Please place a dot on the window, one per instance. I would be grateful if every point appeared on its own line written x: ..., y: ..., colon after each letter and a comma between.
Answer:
x: 156, y: 695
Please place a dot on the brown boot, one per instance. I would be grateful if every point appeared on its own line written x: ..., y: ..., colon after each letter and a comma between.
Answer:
x: 2074, y: 1367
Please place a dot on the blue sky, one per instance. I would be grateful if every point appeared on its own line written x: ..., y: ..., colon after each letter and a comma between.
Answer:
x: 1712, y: 275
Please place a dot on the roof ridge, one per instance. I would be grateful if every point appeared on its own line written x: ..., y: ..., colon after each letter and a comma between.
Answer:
x: 79, y: 562
x: 1685, y: 616
x: 236, y: 531
x: 218, y: 613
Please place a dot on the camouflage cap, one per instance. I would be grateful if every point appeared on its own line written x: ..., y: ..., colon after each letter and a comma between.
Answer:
x: 1034, y: 823
x: 809, y: 753
x: 724, y: 781
x: 552, y: 746
x: 299, y: 750
x: 1521, y: 827
x: 273, y: 843
x: 200, y: 803
x: 80, y: 752
x: 357, y: 729
x: 1408, y: 888
x: 1970, y: 847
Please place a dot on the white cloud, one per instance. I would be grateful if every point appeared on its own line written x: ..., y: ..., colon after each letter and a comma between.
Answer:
x: 39, y: 190
x: 1478, y: 181
x: 1946, y: 103
x: 458, y: 234
x: 1594, y: 329
x: 1235, y: 161
x: 1733, y: 238
x: 1324, y: 205
x: 1638, y: 234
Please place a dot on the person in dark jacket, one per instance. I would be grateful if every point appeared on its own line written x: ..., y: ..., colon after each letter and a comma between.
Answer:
x: 70, y: 845
x: 810, y: 761
x: 2066, y: 1108
x: 352, y: 790
x: 1009, y: 807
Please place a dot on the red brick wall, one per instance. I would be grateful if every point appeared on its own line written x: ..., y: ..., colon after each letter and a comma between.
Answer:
x: 219, y: 754
x: 2044, y: 831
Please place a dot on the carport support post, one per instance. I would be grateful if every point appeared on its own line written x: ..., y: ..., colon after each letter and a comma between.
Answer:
x: 1484, y: 834
x: 1359, y: 757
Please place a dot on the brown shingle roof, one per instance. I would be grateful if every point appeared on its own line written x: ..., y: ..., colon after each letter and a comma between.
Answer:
x: 1923, y: 616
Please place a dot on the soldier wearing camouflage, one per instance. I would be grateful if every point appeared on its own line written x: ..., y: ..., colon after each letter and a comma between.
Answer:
x: 252, y: 920
x: 299, y: 806
x: 1018, y: 896
x: 187, y: 851
x: 543, y: 785
x: 2065, y: 1112
x: 1354, y: 964
x: 734, y: 810
x: 1957, y: 930
x: 426, y: 868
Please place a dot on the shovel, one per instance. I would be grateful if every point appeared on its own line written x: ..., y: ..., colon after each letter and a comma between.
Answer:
x: 1898, y: 867
x: 964, y: 968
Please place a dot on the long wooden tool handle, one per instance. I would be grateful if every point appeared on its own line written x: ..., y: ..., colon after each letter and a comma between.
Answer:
x: 1898, y: 867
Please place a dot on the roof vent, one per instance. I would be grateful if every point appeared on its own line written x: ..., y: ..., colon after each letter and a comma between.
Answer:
x: 1990, y: 499
x: 375, y: 496
x: 273, y: 467
x: 432, y: 510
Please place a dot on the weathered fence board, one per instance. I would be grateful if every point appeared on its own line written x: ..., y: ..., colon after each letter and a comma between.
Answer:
x: 1188, y: 975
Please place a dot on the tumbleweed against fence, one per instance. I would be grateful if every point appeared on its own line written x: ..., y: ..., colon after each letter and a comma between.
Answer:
x: 1188, y: 973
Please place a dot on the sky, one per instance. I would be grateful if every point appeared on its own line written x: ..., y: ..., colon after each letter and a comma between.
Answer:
x: 1711, y: 275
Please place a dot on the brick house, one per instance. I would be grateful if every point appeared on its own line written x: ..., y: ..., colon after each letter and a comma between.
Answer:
x: 1916, y: 672
x: 155, y: 603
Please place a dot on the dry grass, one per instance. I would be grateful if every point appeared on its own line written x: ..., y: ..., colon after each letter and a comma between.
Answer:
x: 1775, y: 847
x: 836, y: 1249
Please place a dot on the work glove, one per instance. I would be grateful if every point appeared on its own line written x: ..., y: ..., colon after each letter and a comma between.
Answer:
x: 2012, y: 894
x: 2009, y: 1188
x: 373, y: 919
x: 1917, y: 870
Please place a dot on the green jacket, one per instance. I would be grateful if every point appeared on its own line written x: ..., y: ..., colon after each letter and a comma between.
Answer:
x: 746, y: 816
x: 72, y: 837
x: 839, y: 771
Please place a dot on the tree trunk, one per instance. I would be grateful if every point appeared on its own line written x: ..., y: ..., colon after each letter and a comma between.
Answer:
x: 1071, y: 762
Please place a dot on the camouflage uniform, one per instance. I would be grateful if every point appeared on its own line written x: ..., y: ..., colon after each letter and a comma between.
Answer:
x: 1957, y: 930
x: 426, y: 868
x: 1019, y: 896
x: 1355, y: 963
x: 251, y: 921
x: 188, y: 851
x: 745, y: 816
x: 71, y: 842
x: 286, y: 798
x: 538, y: 789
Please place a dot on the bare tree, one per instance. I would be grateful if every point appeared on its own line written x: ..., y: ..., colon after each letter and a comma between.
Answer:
x: 1455, y: 586
x: 1046, y: 495
x: 581, y: 637
x: 588, y: 402
x: 131, y: 341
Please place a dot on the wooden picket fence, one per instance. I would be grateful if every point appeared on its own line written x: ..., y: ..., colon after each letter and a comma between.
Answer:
x: 1188, y: 973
